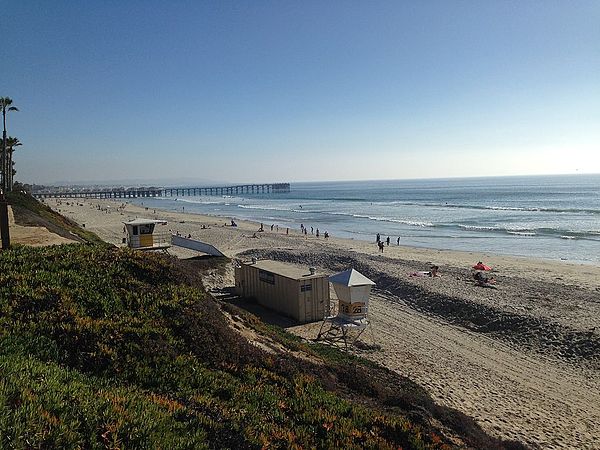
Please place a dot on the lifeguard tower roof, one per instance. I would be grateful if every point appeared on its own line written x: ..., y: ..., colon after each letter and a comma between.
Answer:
x: 145, y: 222
x: 350, y: 278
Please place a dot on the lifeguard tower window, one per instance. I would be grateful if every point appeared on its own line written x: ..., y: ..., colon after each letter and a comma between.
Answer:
x: 306, y: 287
x: 146, y: 229
x: 267, y: 277
x: 134, y: 230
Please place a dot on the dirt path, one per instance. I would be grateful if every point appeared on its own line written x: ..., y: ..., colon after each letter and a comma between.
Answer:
x: 33, y: 236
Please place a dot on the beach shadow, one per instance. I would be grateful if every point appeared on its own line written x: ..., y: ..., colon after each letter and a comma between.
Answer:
x: 203, y: 258
x: 266, y: 315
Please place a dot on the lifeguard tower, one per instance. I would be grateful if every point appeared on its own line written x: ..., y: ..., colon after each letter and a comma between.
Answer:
x: 142, y: 234
x: 352, y: 289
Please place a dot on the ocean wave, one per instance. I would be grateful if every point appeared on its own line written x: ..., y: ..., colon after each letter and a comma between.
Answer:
x: 264, y: 208
x: 415, y: 223
x: 478, y: 228
x: 498, y: 229
x: 472, y: 229
x: 520, y: 209
x: 497, y: 207
x: 196, y: 202
x: 522, y: 233
x: 561, y: 233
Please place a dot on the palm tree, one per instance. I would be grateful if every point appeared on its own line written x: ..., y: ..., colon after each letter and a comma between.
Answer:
x: 5, y: 104
x: 11, y: 143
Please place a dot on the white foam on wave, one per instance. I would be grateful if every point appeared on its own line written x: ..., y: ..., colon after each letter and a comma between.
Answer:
x: 478, y: 228
x: 414, y: 223
x: 262, y: 207
x: 196, y: 202
x: 522, y: 233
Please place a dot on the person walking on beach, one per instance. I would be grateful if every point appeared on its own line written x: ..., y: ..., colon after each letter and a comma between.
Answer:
x: 378, y: 239
x: 380, y: 245
x: 398, y: 240
x: 311, y: 230
x: 317, y: 232
x: 387, y: 241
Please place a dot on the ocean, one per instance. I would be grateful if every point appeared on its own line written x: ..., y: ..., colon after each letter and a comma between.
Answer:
x: 551, y: 217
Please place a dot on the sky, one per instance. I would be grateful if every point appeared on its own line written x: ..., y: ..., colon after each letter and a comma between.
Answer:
x: 267, y: 91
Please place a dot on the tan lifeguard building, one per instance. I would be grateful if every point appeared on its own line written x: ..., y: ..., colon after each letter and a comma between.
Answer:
x: 142, y: 234
x: 299, y: 293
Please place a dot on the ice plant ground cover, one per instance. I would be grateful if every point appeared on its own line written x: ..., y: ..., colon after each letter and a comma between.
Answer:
x: 109, y: 348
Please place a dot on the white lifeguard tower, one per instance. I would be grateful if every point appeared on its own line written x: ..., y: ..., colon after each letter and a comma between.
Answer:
x: 352, y: 289
x: 142, y: 234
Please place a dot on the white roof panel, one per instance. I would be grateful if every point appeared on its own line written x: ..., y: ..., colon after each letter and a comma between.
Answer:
x: 350, y: 277
x: 285, y: 269
x: 145, y: 222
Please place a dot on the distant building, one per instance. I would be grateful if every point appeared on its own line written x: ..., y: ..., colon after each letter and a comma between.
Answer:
x: 296, y: 292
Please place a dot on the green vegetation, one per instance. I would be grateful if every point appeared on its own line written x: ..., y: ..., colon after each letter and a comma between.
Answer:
x: 359, y: 377
x: 29, y: 212
x: 11, y: 144
x: 107, y: 348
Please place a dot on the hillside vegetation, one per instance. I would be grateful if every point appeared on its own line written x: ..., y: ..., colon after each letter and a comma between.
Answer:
x: 108, y: 348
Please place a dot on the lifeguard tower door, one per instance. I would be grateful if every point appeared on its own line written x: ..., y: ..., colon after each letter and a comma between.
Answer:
x: 309, y: 305
x: 146, y: 239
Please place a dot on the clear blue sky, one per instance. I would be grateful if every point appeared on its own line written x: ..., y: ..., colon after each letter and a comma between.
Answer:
x: 305, y: 90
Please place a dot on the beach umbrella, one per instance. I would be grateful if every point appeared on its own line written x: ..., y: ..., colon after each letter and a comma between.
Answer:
x: 481, y: 266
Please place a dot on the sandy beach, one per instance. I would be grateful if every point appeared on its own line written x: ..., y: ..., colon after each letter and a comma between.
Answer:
x: 522, y: 359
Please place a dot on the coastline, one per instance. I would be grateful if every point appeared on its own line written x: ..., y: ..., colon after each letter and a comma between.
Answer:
x: 530, y: 379
x: 548, y: 218
x: 574, y: 273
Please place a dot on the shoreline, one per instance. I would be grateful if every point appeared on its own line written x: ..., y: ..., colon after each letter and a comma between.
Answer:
x: 576, y: 273
x: 522, y: 360
x: 490, y: 238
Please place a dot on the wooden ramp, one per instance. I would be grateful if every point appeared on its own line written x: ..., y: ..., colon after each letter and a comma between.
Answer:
x: 192, y: 244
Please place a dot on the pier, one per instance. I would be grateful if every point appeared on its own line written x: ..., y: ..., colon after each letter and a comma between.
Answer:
x: 262, y: 188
